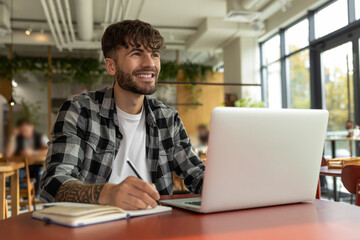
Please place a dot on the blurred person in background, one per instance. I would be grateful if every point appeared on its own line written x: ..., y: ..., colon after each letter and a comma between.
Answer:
x: 26, y: 142
x: 203, y: 140
x: 203, y: 135
x: 349, y: 127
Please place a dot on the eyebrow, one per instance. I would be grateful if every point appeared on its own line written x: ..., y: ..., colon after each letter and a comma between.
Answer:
x: 141, y: 50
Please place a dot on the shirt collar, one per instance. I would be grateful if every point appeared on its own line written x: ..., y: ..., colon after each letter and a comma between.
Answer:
x: 108, y: 104
x: 108, y: 109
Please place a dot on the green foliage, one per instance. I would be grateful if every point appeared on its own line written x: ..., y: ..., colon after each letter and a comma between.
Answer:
x: 192, y: 71
x: 30, y: 111
x: 72, y: 70
x: 248, y: 103
x: 168, y: 71
x: 300, y: 80
x: 336, y: 99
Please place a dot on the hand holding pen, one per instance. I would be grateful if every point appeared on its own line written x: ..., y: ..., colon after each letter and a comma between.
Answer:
x: 131, y: 194
x: 132, y: 166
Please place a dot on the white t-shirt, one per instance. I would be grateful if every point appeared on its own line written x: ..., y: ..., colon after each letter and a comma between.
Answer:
x: 133, y: 129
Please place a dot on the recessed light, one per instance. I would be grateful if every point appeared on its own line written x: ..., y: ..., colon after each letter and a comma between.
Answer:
x: 28, y: 31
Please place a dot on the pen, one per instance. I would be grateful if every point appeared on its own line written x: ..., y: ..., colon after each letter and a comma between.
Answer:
x: 132, y: 166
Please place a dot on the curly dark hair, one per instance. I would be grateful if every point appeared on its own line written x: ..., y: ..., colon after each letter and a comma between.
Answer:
x: 135, y: 33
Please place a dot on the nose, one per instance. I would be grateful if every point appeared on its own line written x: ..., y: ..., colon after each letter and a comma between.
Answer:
x: 148, y: 61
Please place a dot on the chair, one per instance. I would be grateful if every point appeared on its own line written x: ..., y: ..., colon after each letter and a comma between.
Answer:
x: 350, y: 177
x: 27, y: 190
x: 318, y: 190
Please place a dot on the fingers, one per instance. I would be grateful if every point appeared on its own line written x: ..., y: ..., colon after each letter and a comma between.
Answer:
x: 145, y: 187
x: 143, y: 196
x: 135, y: 203
x: 133, y: 193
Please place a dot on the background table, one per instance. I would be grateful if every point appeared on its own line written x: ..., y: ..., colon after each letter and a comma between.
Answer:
x: 335, y: 173
x: 333, y: 141
x: 7, y: 170
x: 314, y: 220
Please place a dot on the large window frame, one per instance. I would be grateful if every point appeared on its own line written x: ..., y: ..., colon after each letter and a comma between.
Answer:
x: 316, y: 45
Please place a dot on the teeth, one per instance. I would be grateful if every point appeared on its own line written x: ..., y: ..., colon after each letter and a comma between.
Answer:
x: 145, y: 76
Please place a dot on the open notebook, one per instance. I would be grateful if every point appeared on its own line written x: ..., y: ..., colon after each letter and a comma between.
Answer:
x: 79, y: 214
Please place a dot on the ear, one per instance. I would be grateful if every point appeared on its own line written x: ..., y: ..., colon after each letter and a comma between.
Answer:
x: 110, y: 66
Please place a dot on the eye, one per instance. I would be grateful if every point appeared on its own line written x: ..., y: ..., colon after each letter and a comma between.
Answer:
x: 157, y: 55
x: 136, y: 54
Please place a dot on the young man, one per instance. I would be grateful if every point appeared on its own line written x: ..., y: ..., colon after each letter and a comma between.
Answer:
x: 26, y: 142
x: 94, y: 134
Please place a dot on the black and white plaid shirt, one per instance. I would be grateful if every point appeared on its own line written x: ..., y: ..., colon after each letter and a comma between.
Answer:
x: 86, y: 139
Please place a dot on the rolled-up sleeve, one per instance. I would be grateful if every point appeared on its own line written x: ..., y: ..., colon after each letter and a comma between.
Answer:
x: 66, y: 150
x: 187, y: 164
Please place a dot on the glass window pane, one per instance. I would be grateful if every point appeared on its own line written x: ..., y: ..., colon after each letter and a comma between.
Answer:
x: 297, y: 36
x: 337, y: 74
x: 357, y: 9
x: 251, y: 92
x: 299, y: 80
x: 271, y: 50
x: 331, y: 18
x: 274, y: 99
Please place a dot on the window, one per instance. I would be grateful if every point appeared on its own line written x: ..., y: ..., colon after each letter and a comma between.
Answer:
x: 273, y: 78
x: 271, y: 50
x: 297, y: 36
x: 286, y: 62
x: 337, y: 77
x: 299, y: 79
x: 331, y: 18
x: 357, y: 9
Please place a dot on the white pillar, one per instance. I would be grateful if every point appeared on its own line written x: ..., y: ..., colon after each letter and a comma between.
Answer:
x: 241, y: 64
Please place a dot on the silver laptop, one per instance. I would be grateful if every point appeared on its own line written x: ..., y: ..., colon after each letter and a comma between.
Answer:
x: 260, y: 157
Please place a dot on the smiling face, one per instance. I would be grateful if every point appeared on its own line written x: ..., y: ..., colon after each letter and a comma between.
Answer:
x: 137, y: 69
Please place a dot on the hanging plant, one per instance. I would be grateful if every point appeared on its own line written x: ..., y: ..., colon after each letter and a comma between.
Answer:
x: 30, y: 111
x: 84, y: 71
x: 168, y: 71
x: 194, y: 72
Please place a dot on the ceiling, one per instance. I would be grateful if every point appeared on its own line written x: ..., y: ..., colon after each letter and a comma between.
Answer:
x: 197, y: 28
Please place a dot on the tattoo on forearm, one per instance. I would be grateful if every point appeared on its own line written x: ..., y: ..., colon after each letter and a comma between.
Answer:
x: 75, y: 191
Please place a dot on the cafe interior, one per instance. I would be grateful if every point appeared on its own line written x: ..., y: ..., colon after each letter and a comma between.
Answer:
x: 276, y: 54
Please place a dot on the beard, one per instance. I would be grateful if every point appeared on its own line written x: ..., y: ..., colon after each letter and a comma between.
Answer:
x: 126, y: 81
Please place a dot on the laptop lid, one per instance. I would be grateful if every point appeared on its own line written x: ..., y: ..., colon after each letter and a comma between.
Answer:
x: 262, y: 157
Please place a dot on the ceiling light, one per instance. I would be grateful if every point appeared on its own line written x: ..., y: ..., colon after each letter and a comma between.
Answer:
x: 14, y: 83
x: 28, y: 31
x: 12, y: 101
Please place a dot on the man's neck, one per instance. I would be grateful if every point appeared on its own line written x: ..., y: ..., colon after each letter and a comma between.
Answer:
x: 127, y: 101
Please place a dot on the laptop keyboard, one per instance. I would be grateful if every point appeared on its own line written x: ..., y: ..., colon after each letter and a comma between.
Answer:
x: 197, y: 203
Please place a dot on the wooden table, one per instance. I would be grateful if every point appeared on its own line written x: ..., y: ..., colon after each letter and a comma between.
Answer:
x: 314, y: 220
x: 335, y: 173
x: 333, y: 141
x: 37, y: 160
x: 7, y: 170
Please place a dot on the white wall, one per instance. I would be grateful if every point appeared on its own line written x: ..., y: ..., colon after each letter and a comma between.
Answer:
x: 241, y: 65
x: 232, y: 66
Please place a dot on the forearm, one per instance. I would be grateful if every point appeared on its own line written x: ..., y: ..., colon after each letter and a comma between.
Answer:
x: 76, y: 191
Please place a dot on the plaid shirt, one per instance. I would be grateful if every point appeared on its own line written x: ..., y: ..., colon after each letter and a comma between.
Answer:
x: 86, y: 139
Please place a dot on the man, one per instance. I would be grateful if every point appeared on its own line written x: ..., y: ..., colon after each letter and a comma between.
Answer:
x: 349, y: 127
x: 95, y: 133
x: 26, y: 142
x: 203, y: 135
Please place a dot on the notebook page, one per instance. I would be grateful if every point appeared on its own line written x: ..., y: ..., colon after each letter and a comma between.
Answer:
x: 149, y: 211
